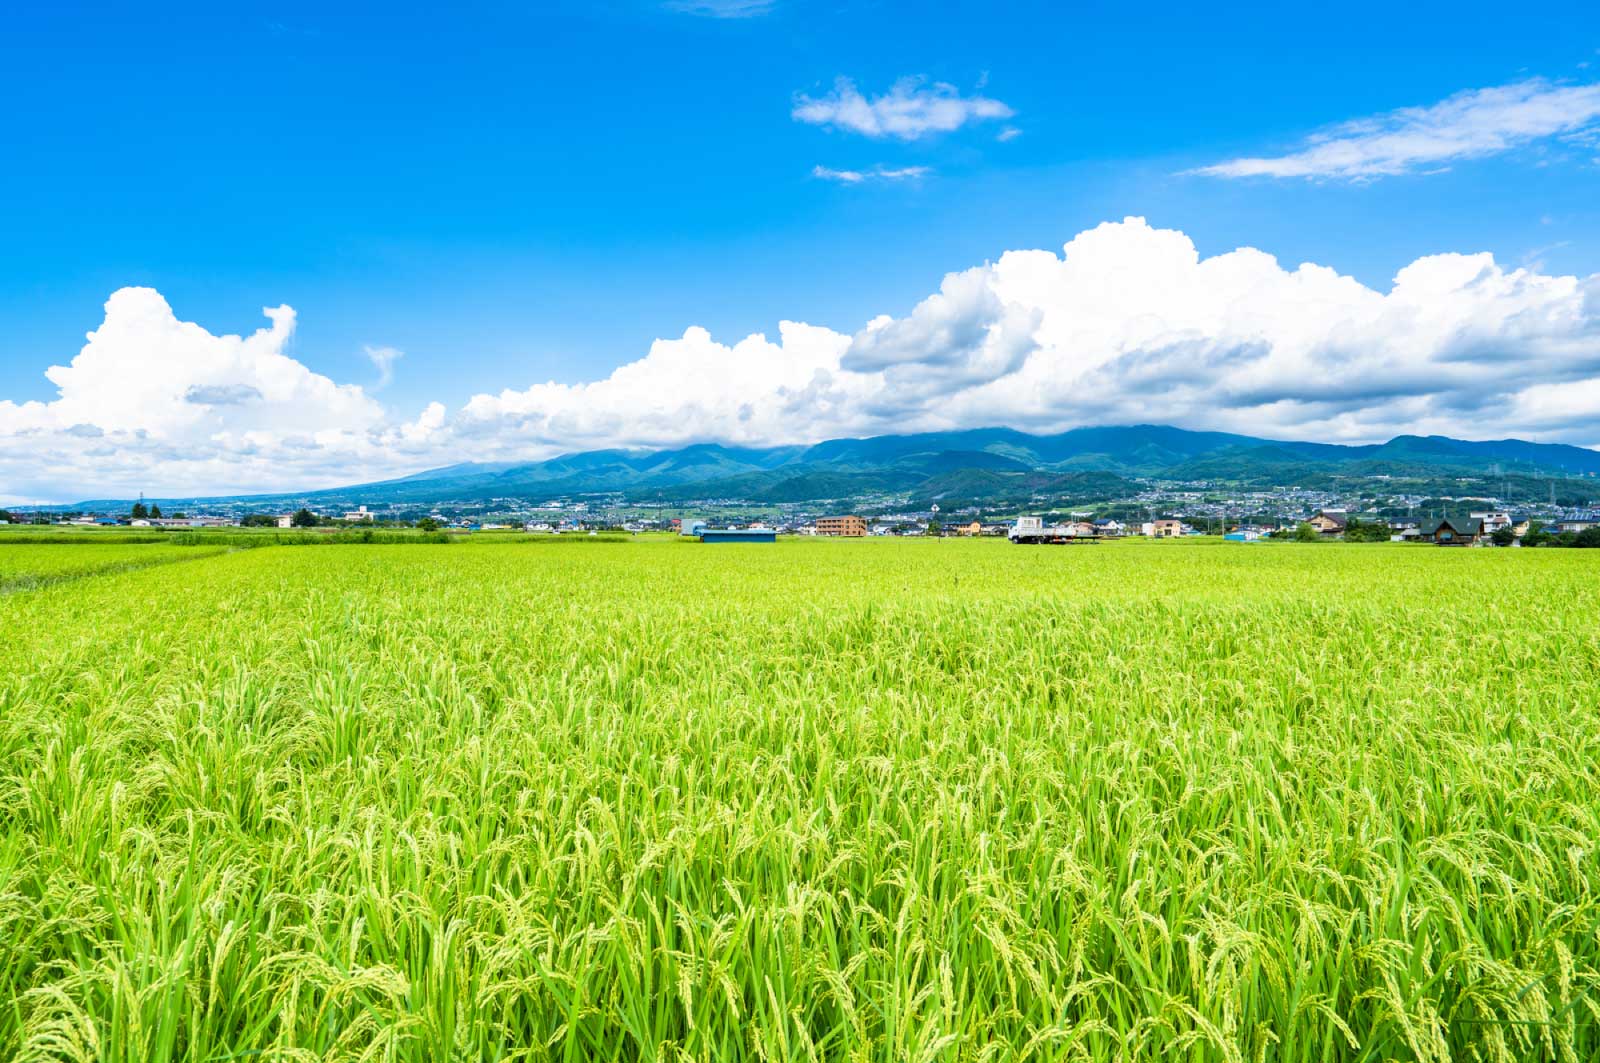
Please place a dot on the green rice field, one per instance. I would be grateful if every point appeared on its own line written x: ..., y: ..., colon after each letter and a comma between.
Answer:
x: 824, y: 800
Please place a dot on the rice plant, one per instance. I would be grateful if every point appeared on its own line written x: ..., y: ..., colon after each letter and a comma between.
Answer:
x: 910, y: 800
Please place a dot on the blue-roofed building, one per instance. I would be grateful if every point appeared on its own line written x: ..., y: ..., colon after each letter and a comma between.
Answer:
x: 738, y: 535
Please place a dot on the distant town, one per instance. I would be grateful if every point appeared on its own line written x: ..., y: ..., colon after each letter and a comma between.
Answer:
x: 1159, y: 510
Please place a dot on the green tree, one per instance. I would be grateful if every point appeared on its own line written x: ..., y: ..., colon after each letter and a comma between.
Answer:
x: 1366, y: 531
x: 1503, y: 536
x: 140, y: 512
x: 303, y: 518
x: 258, y: 520
x: 1588, y: 539
x: 155, y: 511
x: 428, y: 524
x: 1305, y: 533
x: 935, y: 528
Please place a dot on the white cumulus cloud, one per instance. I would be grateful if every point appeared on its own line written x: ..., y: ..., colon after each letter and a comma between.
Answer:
x: 1126, y: 323
x: 686, y: 390
x: 913, y: 108
x: 162, y: 405
x: 1468, y: 125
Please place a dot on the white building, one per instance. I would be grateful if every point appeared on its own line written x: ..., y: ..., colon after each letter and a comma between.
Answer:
x: 1493, y: 520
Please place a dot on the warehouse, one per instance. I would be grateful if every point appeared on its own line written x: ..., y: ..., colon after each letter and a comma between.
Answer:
x: 738, y: 535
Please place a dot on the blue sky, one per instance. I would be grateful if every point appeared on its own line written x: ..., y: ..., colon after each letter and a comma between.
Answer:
x: 518, y: 193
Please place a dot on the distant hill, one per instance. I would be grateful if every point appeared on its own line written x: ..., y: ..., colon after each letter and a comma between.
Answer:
x: 975, y: 465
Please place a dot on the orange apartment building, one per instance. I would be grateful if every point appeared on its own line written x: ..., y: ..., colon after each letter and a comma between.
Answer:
x: 848, y: 526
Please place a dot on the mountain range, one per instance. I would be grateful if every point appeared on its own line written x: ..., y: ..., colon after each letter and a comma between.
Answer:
x: 992, y: 465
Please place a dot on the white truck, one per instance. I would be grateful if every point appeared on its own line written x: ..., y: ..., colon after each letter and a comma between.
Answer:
x: 1033, y: 531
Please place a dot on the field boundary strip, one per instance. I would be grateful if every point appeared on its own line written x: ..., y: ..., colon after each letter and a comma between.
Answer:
x: 25, y: 582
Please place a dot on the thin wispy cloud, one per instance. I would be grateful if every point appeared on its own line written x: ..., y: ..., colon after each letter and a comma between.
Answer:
x: 912, y: 109
x: 878, y: 173
x: 383, y: 358
x: 721, y: 8
x: 1468, y: 125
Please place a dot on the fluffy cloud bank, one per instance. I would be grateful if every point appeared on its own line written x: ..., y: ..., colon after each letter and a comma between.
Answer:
x: 1127, y: 324
x: 157, y: 404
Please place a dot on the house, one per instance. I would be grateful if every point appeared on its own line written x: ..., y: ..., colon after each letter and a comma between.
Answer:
x: 1493, y: 520
x: 849, y: 526
x: 1455, y: 531
x: 1575, y: 525
x: 1329, y: 522
x: 996, y: 529
x: 1166, y: 529
x: 358, y: 515
x: 1243, y: 535
x: 965, y: 529
x: 1110, y: 527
